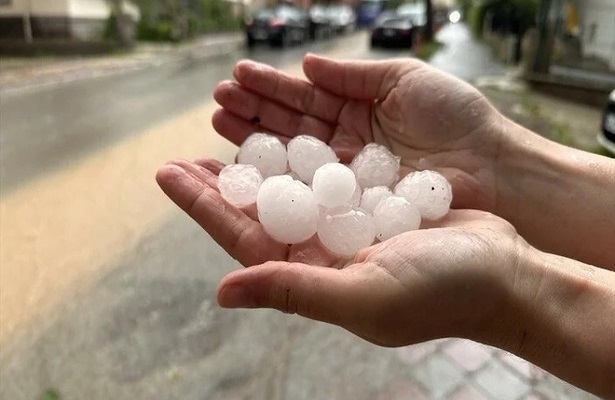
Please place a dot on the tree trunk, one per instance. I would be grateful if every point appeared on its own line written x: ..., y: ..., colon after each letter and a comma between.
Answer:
x: 428, y: 32
x: 123, y: 28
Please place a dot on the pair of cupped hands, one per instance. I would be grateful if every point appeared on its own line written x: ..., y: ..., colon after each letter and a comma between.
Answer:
x: 440, y: 281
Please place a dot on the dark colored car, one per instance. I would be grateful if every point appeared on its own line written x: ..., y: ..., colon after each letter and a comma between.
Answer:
x: 606, y: 137
x: 320, y: 25
x: 342, y: 18
x: 279, y: 26
x: 394, y: 31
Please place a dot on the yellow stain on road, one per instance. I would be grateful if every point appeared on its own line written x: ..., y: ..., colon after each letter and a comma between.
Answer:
x: 59, y: 231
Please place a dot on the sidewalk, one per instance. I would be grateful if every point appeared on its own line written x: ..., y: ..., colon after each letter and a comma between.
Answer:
x: 16, y: 73
x: 563, y: 120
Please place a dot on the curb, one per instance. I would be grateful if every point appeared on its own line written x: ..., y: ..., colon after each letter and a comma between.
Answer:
x: 34, y: 73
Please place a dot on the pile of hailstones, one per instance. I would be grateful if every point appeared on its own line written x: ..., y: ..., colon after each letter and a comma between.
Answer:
x: 301, y: 189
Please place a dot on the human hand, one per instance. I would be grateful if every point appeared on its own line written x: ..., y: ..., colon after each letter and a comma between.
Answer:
x: 430, y: 119
x: 442, y: 281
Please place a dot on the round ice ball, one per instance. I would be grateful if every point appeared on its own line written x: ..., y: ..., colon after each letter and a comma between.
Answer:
x: 395, y: 215
x: 343, y: 231
x: 355, y: 201
x: 429, y: 191
x: 239, y: 184
x: 375, y: 165
x: 287, y: 209
x: 306, y: 154
x: 334, y: 185
x: 265, y: 152
x: 372, y: 196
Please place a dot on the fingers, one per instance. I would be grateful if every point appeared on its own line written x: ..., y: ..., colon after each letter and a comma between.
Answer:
x: 261, y: 113
x: 212, y: 165
x: 193, y: 190
x: 364, y: 80
x: 324, y: 294
x: 292, y: 92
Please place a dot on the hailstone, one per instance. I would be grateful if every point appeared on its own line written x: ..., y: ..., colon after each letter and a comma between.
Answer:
x: 428, y: 190
x: 265, y: 152
x: 287, y: 209
x: 375, y: 165
x: 343, y: 231
x: 334, y: 185
x: 239, y: 184
x: 372, y: 196
x: 395, y: 215
x: 306, y: 154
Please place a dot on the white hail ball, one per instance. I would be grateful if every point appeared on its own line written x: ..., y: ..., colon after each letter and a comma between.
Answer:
x: 372, y: 196
x: 287, y: 209
x: 375, y: 165
x: 334, y: 185
x: 428, y: 190
x: 395, y: 215
x: 343, y: 231
x: 306, y: 154
x: 265, y: 152
x: 239, y: 184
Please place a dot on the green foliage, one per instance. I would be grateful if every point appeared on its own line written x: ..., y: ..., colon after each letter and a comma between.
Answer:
x: 157, y: 31
x: 428, y: 49
x: 50, y: 394
x: 166, y: 20
x: 110, y: 27
x: 216, y: 16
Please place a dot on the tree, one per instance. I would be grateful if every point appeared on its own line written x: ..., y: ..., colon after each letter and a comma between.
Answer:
x: 428, y: 33
x: 124, y: 29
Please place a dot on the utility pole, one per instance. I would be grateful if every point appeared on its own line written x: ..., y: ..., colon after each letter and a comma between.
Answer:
x: 122, y: 35
x: 428, y: 33
x: 27, y: 25
x: 542, y: 56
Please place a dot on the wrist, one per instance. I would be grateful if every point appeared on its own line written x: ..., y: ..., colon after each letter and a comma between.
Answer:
x: 554, y: 195
x: 558, y: 316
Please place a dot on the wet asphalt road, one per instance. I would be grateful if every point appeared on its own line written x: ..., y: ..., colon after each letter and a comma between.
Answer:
x: 149, y: 326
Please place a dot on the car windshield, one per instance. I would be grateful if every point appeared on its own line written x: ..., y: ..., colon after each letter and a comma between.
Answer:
x: 263, y: 14
x: 400, y: 23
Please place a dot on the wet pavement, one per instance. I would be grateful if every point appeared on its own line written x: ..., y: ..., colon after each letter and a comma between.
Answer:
x: 108, y: 290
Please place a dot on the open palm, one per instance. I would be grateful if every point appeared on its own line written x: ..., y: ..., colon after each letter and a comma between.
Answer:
x: 384, y: 294
x: 430, y: 119
x: 193, y: 187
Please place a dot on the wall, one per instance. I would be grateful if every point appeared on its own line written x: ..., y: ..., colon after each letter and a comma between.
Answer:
x: 48, y: 8
x: 598, y: 30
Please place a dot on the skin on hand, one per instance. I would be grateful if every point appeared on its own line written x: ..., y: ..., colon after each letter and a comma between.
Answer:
x: 434, y: 121
x: 443, y: 280
x: 468, y: 275
x: 428, y: 118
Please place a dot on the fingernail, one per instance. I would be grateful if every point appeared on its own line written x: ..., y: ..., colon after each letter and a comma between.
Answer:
x: 236, y: 296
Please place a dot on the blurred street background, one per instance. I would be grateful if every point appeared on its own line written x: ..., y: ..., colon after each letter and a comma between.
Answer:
x: 107, y: 291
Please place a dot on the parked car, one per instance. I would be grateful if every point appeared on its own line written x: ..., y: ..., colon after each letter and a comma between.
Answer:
x: 393, y: 30
x: 279, y: 26
x: 606, y: 137
x: 342, y: 18
x: 320, y: 24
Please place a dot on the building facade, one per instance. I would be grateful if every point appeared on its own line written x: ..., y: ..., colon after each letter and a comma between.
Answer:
x: 80, y: 20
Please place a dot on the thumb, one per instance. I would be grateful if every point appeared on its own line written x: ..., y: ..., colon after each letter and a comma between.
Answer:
x: 320, y: 293
x: 361, y: 80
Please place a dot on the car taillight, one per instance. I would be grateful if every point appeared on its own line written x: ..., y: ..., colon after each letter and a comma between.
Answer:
x: 276, y: 22
x: 406, y: 32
